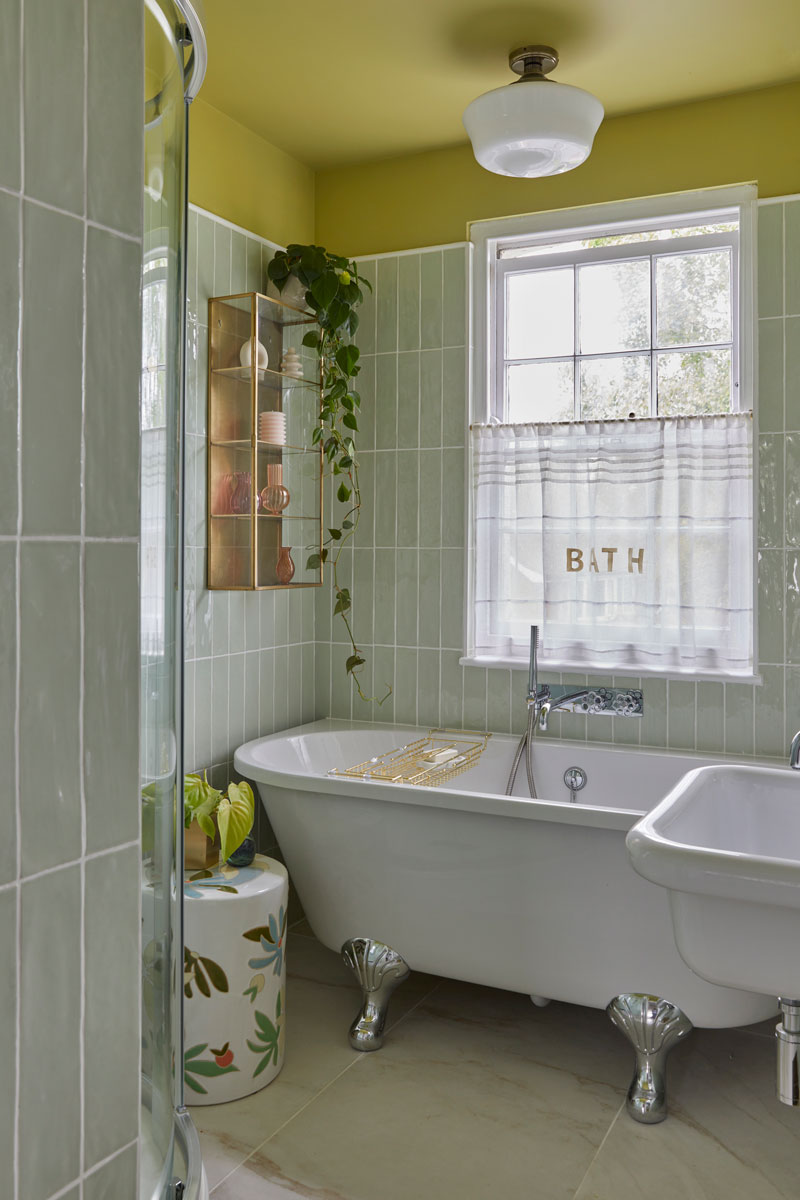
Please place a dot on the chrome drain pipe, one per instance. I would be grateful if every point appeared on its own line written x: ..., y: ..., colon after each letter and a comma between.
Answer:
x: 787, y: 1033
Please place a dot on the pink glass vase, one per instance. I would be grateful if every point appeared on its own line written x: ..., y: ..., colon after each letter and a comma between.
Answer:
x: 274, y: 497
x: 284, y: 567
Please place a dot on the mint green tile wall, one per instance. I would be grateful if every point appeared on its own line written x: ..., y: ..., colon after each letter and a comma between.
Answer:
x: 408, y: 558
x: 70, y: 162
x: 249, y: 655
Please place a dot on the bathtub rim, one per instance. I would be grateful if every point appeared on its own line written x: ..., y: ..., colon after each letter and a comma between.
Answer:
x: 485, y: 803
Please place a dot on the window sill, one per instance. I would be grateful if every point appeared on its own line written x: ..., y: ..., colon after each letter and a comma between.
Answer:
x: 632, y: 672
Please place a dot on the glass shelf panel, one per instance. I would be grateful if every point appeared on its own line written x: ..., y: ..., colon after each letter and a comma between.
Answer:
x: 266, y: 377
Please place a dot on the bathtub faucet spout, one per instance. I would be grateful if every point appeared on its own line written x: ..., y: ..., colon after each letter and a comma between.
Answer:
x: 379, y: 970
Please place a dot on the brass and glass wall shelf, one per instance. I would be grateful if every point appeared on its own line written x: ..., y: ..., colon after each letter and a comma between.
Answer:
x: 264, y: 476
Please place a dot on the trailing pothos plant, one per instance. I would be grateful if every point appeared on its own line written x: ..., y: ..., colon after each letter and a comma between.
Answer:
x: 333, y: 293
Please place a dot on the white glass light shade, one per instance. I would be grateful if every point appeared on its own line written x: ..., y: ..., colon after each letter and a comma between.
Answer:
x: 532, y: 128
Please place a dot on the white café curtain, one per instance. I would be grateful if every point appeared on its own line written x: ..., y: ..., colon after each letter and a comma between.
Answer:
x: 628, y: 542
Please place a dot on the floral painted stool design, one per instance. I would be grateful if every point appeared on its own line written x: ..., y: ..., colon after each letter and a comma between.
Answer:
x: 234, y: 979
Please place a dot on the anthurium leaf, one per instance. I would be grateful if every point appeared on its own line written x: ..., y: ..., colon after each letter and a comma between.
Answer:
x: 206, y: 824
x: 199, y: 800
x: 235, y: 817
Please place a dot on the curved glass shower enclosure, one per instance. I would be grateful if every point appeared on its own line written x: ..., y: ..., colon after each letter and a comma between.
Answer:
x: 174, y: 63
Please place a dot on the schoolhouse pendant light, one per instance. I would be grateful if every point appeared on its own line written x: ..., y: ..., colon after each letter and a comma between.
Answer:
x: 533, y: 126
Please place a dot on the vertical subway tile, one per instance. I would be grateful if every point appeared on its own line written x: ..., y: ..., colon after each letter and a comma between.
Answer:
x: 191, y: 269
x: 519, y: 710
x: 113, y: 371
x: 428, y: 688
x: 236, y: 628
x: 8, y: 708
x: 453, y: 517
x: 792, y: 704
x: 654, y: 716
x: 738, y: 718
x: 54, y: 104
x: 407, y: 497
x: 51, y: 370
x: 681, y: 714
x: 366, y: 312
x: 50, y: 998
x: 222, y: 260
x: 385, y: 499
x: 251, y: 695
x: 770, y: 376
x: 407, y: 573
x: 771, y: 588
x: 341, y: 683
x: 205, y: 265
x: 238, y: 262
x: 384, y: 596
x: 111, y: 695
x: 386, y: 402
x: 770, y: 514
x: 10, y: 147
x: 254, y: 279
x: 474, y: 710
x: 9, y: 329
x: 386, y: 306
x: 498, y: 701
x: 408, y: 399
x: 220, y: 673
x: 792, y: 259
x: 189, y: 758
x: 322, y: 679
x: 792, y: 333
x: 455, y: 417
x: 267, y: 692
x: 236, y: 714
x: 367, y: 416
x: 792, y: 597
x: 363, y: 595
x: 114, y: 117
x: 429, y: 597
x: 220, y: 621
x: 405, y: 686
x: 281, y: 686
x: 430, y: 402
x: 769, y: 715
x: 454, y: 325
x: 710, y: 717
x: 453, y: 599
x: 202, y: 712
x: 408, y: 302
x: 383, y: 681
x: 770, y: 260
x: 50, y: 701
x: 114, y: 1180
x: 452, y: 683
x: 431, y: 303
x: 8, y: 998
x: 309, y: 697
x: 111, y: 1114
x: 430, y: 498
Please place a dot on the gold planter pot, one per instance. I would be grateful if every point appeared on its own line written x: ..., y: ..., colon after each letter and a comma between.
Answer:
x: 199, y: 851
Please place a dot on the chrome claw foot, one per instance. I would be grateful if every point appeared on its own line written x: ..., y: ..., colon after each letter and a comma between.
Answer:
x: 652, y: 1026
x: 379, y: 970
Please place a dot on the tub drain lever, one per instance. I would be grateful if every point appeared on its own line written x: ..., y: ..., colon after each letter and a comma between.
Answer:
x: 575, y: 778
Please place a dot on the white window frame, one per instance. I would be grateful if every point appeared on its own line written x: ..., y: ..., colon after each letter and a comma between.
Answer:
x: 706, y: 206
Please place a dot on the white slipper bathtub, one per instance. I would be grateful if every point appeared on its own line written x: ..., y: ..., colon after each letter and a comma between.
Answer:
x: 533, y: 896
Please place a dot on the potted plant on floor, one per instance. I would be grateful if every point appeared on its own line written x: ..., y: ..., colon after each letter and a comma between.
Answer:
x: 215, y: 824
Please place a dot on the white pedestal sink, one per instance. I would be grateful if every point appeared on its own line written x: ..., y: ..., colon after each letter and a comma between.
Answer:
x: 725, y: 843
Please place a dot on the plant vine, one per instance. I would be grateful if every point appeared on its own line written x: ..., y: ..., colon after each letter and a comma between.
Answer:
x: 333, y: 293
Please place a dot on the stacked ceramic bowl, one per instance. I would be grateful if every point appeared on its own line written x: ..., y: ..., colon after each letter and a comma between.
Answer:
x: 272, y: 427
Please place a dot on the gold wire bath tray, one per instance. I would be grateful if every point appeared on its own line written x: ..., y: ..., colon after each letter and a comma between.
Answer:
x: 429, y: 761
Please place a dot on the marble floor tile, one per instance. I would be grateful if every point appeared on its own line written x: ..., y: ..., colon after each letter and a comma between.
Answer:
x: 469, y: 1098
x: 726, y: 1137
x: 322, y: 999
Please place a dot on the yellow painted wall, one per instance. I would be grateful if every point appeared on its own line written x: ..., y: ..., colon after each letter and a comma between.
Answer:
x: 237, y: 175
x: 425, y: 199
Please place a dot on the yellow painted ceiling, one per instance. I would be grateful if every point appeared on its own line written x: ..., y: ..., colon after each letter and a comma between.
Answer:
x: 333, y: 82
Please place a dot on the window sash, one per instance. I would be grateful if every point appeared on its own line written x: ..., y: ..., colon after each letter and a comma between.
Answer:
x: 505, y: 268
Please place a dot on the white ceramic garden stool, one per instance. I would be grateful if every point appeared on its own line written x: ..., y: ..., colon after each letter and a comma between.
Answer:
x: 234, y: 973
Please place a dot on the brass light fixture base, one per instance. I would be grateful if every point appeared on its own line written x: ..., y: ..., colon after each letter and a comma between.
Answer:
x: 533, y: 62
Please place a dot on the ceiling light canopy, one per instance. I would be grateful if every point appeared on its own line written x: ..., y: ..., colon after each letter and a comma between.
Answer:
x: 533, y: 126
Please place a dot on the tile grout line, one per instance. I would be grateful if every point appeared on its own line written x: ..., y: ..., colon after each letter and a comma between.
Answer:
x: 18, y: 624
x: 598, y: 1151
x: 82, y: 622
x: 312, y: 1099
